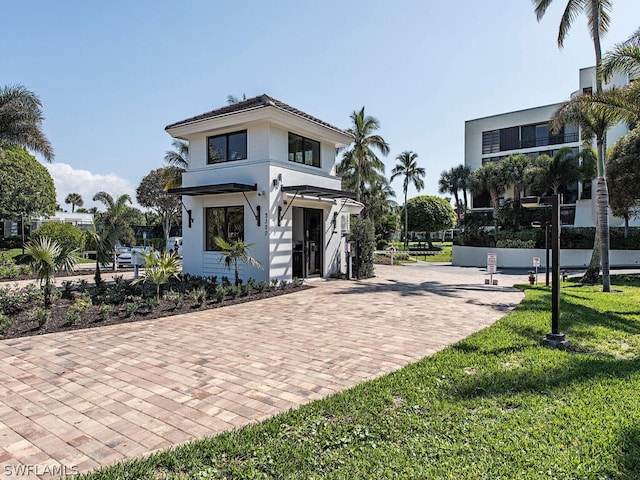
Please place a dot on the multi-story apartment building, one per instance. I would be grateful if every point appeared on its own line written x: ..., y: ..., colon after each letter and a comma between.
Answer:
x: 490, y: 139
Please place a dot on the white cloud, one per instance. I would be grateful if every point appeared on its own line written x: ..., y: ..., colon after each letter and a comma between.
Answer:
x: 69, y: 180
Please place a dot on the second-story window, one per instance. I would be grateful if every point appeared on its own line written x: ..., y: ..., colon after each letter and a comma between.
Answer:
x: 304, y: 150
x: 227, y: 147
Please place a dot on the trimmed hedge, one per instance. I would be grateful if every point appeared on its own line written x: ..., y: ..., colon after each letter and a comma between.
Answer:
x: 570, y: 238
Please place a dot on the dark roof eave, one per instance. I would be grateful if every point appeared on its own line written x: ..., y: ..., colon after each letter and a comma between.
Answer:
x: 319, y: 192
x: 216, y: 189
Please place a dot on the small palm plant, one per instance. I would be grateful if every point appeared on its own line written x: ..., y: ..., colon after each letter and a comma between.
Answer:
x: 235, y: 253
x: 47, y: 258
x: 158, y: 269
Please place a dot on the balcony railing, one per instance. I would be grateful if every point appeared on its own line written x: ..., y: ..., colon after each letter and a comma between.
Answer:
x: 550, y: 140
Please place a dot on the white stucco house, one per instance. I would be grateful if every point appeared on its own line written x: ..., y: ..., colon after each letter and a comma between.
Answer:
x: 264, y: 172
x: 490, y: 139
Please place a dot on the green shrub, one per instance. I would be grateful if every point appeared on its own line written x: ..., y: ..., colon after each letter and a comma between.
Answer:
x: 198, y: 295
x: 132, y: 304
x: 105, y: 312
x: 5, y: 324
x: 40, y: 315
x: 71, y: 317
x: 81, y: 302
x: 283, y: 284
x: 262, y: 286
x: 233, y: 290
x: 220, y: 293
x: 246, y: 289
x: 177, y: 298
x: 11, y: 242
x: 68, y: 236
x: 515, y: 243
x: 297, y: 282
x: 364, y: 237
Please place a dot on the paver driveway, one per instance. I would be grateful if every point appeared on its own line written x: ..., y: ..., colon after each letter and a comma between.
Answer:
x: 82, y: 399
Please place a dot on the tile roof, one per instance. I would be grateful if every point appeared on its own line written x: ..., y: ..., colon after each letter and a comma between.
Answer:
x: 261, y: 101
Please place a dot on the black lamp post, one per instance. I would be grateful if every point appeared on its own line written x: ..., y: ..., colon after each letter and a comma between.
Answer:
x: 554, y: 338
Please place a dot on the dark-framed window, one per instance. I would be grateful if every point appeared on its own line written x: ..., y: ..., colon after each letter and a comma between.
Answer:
x: 227, y: 147
x: 224, y: 222
x: 304, y: 150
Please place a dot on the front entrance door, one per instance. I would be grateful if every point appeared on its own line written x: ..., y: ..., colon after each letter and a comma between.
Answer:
x: 307, y: 242
x: 313, y: 242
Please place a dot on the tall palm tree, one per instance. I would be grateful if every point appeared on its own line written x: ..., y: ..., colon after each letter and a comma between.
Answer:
x: 412, y: 173
x: 597, y: 12
x: 448, y: 183
x: 624, y: 58
x: 21, y: 120
x: 462, y: 175
x: 177, y: 161
x: 489, y: 178
x: 594, y: 122
x: 114, y: 219
x: 47, y: 258
x: 360, y: 164
x: 75, y: 200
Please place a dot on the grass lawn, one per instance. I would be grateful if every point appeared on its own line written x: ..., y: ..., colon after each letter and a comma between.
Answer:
x: 497, y: 405
x: 14, y: 252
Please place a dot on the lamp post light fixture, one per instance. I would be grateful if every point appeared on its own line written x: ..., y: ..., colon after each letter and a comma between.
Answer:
x: 554, y: 338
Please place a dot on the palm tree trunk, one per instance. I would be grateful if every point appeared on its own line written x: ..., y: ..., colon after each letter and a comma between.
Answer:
x: 406, y: 222
x: 602, y: 198
x: 97, y: 278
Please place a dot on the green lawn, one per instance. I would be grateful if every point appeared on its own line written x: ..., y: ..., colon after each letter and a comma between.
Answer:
x: 14, y: 252
x: 497, y: 405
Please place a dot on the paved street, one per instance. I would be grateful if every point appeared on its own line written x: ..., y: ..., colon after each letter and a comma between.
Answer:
x: 87, y: 398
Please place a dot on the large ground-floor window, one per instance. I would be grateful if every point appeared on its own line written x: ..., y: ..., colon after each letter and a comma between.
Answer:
x: 224, y: 222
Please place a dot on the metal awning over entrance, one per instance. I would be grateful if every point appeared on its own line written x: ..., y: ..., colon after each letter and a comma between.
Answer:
x: 215, y: 189
x: 320, y: 192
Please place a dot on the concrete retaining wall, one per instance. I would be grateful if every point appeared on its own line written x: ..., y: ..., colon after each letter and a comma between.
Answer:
x: 523, y: 257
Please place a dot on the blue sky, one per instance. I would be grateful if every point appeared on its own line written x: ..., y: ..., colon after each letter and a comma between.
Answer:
x: 113, y: 74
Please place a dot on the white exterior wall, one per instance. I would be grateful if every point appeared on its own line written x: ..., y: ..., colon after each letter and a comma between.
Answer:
x: 267, y: 152
x: 523, y: 257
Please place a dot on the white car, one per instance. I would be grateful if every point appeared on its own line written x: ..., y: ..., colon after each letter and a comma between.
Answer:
x: 124, y: 259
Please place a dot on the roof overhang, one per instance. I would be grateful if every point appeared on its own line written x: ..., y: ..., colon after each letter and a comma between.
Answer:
x: 215, y: 189
x: 320, y: 192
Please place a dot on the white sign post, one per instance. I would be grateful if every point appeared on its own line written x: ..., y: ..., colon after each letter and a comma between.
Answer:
x: 536, y: 263
x: 392, y: 250
x: 492, y: 263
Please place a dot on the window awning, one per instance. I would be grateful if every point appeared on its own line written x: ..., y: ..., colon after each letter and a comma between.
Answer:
x: 216, y: 189
x: 319, y: 192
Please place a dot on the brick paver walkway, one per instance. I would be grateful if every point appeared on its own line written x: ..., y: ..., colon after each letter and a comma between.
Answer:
x: 83, y: 399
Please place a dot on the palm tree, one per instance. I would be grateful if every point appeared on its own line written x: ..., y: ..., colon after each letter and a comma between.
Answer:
x: 624, y: 58
x: 234, y: 253
x: 114, y: 219
x: 47, y: 258
x: 158, y: 269
x: 462, y: 176
x: 103, y: 240
x: 408, y: 168
x: 489, y: 178
x: 21, y: 120
x: 594, y: 122
x: 597, y: 12
x: 448, y: 184
x: 565, y: 168
x: 360, y: 164
x: 177, y: 161
x: 513, y: 170
x: 75, y: 199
